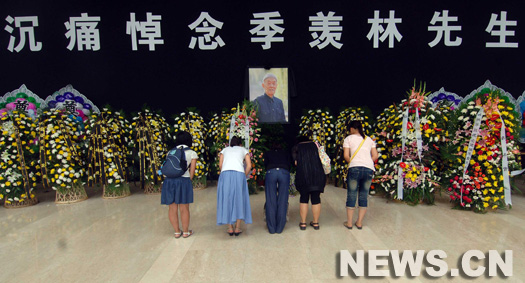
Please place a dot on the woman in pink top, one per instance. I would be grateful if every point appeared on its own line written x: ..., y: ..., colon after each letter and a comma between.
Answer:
x: 360, y: 152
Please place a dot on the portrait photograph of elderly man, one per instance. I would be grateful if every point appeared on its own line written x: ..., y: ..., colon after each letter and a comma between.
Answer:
x: 269, y: 91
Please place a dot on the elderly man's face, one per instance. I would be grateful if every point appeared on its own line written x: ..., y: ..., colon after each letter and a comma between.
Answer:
x: 270, y: 85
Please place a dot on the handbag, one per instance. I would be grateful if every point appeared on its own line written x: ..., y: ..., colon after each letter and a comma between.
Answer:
x: 325, y: 160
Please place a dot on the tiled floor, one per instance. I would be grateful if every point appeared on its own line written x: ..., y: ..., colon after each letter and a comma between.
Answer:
x: 131, y: 240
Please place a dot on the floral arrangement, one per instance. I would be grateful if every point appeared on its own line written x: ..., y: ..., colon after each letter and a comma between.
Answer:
x: 220, y: 135
x: 247, y: 115
x: 342, y: 131
x: 382, y: 129
x: 194, y: 124
x: 108, y: 134
x: 258, y: 169
x: 322, y: 128
x: 218, y: 128
x: 62, y: 167
x: 21, y: 99
x: 71, y: 101
x: 18, y: 159
x: 445, y: 105
x: 445, y: 98
x: 483, y: 187
x: 151, y: 133
x: 418, y: 176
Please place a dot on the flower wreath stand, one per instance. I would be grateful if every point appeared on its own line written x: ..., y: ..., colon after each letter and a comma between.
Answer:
x: 24, y: 203
x: 150, y: 133
x: 71, y: 195
x: 16, y: 176
x: 106, y: 158
x: 486, y: 151
x: 61, y: 165
x: 217, y: 136
x: 116, y: 191
x: 408, y: 135
x: 193, y: 123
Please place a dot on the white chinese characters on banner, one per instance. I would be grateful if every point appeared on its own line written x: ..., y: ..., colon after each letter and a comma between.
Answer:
x: 502, y: 33
x: 444, y: 28
x: 149, y: 31
x: 28, y: 30
x: 83, y: 30
x: 325, y: 30
x: 207, y: 41
x: 390, y: 32
x: 330, y: 29
x: 267, y: 27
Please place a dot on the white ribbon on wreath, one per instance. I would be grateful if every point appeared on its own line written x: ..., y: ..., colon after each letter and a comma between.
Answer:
x: 246, y: 129
x: 471, y: 145
x: 400, y: 170
x: 505, y: 162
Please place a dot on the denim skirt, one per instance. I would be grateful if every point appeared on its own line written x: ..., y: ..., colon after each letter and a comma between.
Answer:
x: 177, y: 190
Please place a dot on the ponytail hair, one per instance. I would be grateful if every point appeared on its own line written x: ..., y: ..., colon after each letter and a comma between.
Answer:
x: 358, y: 126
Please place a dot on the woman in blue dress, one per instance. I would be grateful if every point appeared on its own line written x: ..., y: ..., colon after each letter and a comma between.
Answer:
x: 177, y: 193
x: 233, y: 201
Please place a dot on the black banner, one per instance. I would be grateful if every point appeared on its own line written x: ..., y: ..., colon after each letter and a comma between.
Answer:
x: 196, y: 53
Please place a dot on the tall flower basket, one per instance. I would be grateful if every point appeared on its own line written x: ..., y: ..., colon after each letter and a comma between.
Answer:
x: 107, y: 153
x: 485, y: 151
x: 151, y: 133
x: 192, y: 122
x: 245, y: 125
x: 18, y: 159
x: 408, y: 138
x: 61, y: 165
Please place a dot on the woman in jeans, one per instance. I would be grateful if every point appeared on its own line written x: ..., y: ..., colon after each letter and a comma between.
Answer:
x: 360, y: 152
x: 277, y: 184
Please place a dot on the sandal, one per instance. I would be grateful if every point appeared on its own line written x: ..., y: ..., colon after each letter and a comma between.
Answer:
x: 315, y: 225
x: 187, y: 234
x: 346, y: 225
x: 177, y: 235
x: 358, y: 227
x: 237, y: 232
x: 302, y: 225
x: 230, y: 232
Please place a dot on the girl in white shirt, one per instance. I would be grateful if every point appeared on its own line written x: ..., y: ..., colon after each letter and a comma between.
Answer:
x: 360, y: 152
x: 233, y: 201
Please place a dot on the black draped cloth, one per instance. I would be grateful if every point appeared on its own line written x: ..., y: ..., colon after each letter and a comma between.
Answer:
x: 310, y: 175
